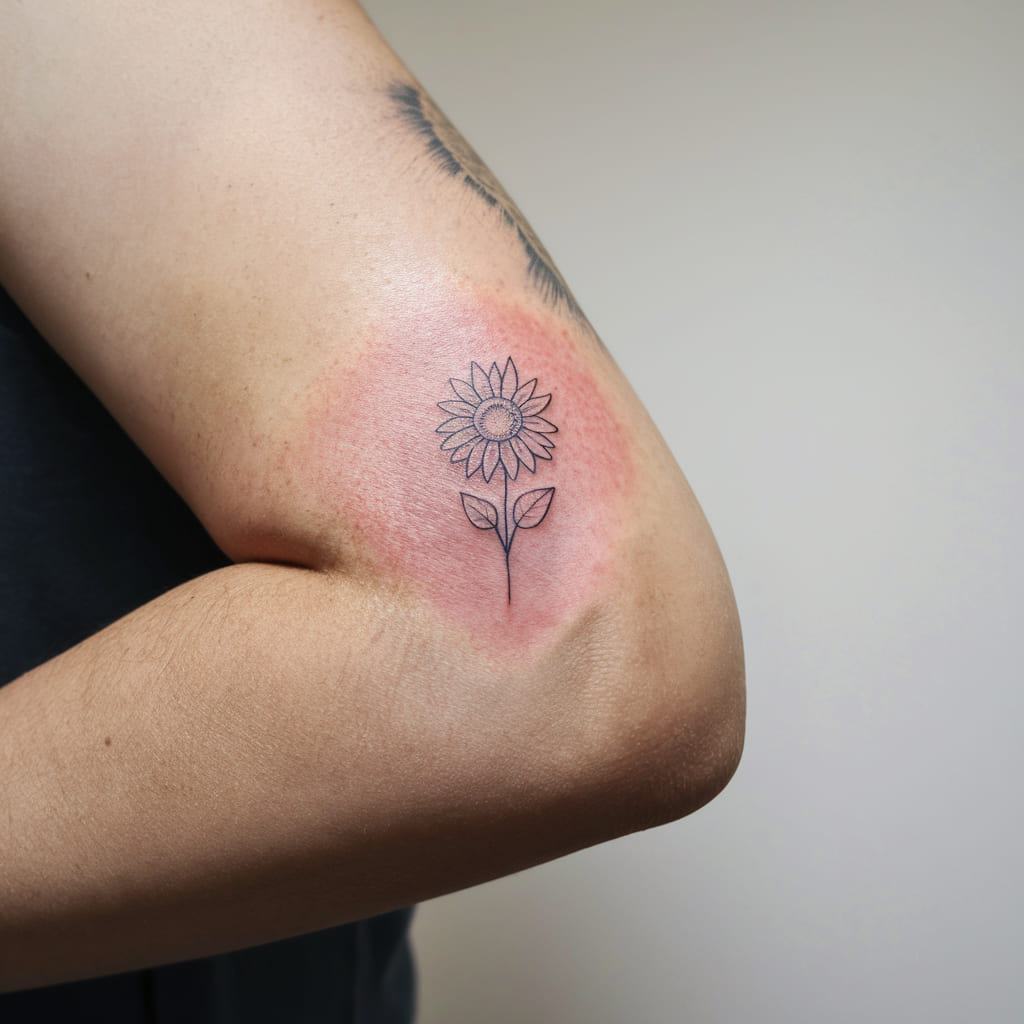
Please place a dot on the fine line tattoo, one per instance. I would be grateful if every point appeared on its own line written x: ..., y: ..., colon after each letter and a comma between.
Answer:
x: 450, y: 151
x: 495, y: 427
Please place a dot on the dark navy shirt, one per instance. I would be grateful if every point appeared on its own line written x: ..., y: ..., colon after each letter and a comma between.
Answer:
x: 88, y: 531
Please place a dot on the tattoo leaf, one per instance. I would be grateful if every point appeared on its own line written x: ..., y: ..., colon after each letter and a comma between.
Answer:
x: 531, y: 508
x: 482, y: 514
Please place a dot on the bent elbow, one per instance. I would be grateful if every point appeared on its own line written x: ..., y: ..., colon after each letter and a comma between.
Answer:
x: 696, y: 748
x: 668, y: 730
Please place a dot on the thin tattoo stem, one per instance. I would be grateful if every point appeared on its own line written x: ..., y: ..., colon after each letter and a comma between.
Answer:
x: 494, y: 426
x: 508, y: 543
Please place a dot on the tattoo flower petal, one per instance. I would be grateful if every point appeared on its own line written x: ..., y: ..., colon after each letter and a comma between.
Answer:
x: 535, y: 405
x: 475, y: 461
x: 463, y: 452
x: 535, y: 440
x: 458, y: 408
x: 455, y: 423
x: 481, y: 385
x: 509, y: 459
x: 465, y: 391
x: 490, y: 460
x: 540, y: 424
x: 525, y: 392
x: 458, y: 439
x: 509, y: 380
x: 523, y: 453
x: 494, y: 379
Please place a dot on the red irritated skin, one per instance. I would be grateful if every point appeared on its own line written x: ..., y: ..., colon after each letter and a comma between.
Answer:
x: 410, y: 452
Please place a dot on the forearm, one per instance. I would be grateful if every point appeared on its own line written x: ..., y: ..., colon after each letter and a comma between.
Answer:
x: 261, y: 752
x: 267, y: 751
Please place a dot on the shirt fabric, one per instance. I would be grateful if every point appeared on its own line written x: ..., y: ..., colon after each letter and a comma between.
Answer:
x: 89, y: 530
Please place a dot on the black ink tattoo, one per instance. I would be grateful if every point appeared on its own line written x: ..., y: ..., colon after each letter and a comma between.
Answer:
x: 495, y: 426
x: 455, y: 156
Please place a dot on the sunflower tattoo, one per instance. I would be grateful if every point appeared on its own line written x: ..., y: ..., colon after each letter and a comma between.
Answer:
x: 495, y: 426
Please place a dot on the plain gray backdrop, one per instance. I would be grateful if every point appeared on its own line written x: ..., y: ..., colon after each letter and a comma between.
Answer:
x: 798, y: 228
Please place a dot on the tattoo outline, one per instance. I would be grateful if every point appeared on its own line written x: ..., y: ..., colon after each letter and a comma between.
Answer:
x: 453, y: 154
x: 494, y: 426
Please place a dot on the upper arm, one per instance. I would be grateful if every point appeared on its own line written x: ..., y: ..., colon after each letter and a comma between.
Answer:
x: 302, y: 294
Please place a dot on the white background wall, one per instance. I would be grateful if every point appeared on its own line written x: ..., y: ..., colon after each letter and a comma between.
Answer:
x: 798, y: 227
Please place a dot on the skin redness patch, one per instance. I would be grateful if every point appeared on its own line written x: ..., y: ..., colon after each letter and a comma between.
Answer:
x: 473, y: 457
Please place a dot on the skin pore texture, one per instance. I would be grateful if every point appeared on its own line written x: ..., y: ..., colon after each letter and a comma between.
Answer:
x: 380, y: 463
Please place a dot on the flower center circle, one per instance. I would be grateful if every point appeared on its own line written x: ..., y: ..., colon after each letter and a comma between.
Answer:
x: 498, y: 419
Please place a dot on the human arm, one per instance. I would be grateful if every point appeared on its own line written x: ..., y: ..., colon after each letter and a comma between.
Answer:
x: 256, y: 265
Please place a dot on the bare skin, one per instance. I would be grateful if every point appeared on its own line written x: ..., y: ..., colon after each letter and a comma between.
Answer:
x: 255, y: 259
